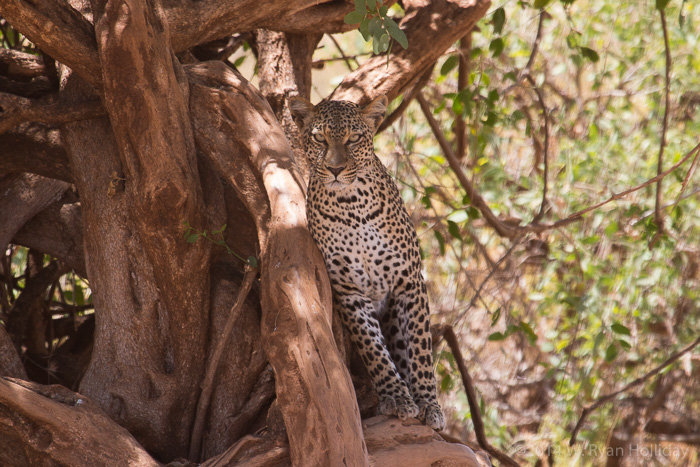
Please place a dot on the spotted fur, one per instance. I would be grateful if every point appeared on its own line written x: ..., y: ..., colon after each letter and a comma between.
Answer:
x: 357, y: 218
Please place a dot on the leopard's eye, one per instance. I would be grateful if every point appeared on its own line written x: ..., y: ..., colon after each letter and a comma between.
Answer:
x: 354, y: 138
x: 319, y: 137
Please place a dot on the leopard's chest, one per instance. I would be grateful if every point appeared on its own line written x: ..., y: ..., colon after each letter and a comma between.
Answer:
x: 361, y: 234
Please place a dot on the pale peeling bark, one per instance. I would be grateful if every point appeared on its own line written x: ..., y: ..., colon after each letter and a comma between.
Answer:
x: 313, y: 386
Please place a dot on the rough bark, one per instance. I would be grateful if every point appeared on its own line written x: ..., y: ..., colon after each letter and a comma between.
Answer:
x: 43, y: 143
x: 57, y: 231
x: 10, y: 364
x: 313, y: 387
x: 431, y: 27
x: 51, y: 425
x: 138, y: 181
x: 23, y: 196
x: 390, y: 444
x: 50, y: 24
x: 284, y: 68
x: 59, y: 30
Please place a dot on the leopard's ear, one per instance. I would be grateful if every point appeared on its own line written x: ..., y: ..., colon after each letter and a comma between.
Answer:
x: 302, y: 111
x: 373, y: 113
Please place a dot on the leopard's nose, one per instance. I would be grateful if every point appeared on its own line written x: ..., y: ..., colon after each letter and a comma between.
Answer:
x: 336, y: 170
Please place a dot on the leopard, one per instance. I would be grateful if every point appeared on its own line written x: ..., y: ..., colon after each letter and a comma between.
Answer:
x: 359, y: 221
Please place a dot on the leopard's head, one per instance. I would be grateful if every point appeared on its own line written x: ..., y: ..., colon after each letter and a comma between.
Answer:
x: 338, y: 136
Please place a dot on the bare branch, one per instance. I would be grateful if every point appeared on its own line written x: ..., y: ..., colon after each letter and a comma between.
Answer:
x: 15, y: 110
x: 658, y: 216
x: 213, y: 364
x: 345, y: 58
x: 465, y: 47
x: 476, y: 199
x: 602, y: 400
x: 449, y: 335
x: 58, y: 30
x: 545, y: 157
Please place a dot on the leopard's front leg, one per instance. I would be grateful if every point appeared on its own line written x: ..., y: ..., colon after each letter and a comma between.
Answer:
x: 358, y: 315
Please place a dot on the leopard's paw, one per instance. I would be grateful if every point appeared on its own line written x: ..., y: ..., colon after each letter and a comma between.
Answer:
x: 400, y: 405
x: 431, y: 415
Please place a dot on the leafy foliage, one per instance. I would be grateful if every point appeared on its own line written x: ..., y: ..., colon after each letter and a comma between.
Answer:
x: 579, y: 311
x: 377, y: 25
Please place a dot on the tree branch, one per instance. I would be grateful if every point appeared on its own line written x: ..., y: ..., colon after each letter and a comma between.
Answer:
x: 15, y: 110
x: 59, y: 30
x: 658, y: 211
x: 213, y: 364
x: 50, y: 421
x: 545, y: 156
x: 477, y: 201
x: 602, y: 400
x: 465, y: 47
x: 419, y: 83
x: 438, y: 23
x: 451, y: 339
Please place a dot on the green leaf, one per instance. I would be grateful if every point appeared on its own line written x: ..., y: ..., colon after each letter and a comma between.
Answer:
x: 441, y: 242
x: 492, y: 97
x: 539, y: 4
x: 396, y: 32
x: 191, y: 238
x: 364, y: 29
x: 611, y: 353
x: 449, y: 64
x: 252, y: 261
x: 624, y: 344
x: 499, y: 19
x: 496, y: 316
x: 620, y: 328
x: 353, y: 17
x: 371, y: 4
x: 361, y: 7
x: 661, y: 4
x: 453, y: 229
x: 491, y: 118
x: 572, y: 39
x: 384, y: 43
x: 473, y: 213
x: 496, y: 336
x: 529, y: 332
x: 375, y: 28
x: 590, y: 54
x: 496, y: 47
